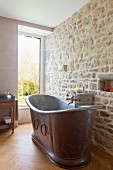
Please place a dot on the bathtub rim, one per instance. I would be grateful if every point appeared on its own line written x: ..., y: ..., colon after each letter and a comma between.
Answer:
x: 85, y: 107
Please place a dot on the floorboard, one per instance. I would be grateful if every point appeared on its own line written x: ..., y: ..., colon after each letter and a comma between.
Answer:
x: 18, y: 152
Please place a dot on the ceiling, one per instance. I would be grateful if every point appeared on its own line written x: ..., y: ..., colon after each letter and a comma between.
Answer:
x: 48, y: 13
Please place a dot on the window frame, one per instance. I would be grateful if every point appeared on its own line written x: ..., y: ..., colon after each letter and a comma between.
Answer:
x: 41, y: 61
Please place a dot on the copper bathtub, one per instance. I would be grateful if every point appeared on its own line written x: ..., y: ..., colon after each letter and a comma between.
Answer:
x: 62, y: 131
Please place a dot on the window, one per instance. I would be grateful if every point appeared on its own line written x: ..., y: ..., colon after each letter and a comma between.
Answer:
x: 28, y: 66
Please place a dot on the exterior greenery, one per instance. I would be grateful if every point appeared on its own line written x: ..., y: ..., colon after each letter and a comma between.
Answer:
x: 26, y: 87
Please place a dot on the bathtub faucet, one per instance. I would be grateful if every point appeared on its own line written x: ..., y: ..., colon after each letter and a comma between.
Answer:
x: 73, y: 98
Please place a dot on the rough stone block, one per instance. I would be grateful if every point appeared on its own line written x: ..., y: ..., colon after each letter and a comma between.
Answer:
x: 104, y: 114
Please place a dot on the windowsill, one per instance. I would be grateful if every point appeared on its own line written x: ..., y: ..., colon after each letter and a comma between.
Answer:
x: 23, y: 107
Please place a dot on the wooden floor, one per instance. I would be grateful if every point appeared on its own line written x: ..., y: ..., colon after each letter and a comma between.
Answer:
x: 18, y: 152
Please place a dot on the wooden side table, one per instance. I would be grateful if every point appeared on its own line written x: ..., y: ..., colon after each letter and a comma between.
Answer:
x: 8, y: 104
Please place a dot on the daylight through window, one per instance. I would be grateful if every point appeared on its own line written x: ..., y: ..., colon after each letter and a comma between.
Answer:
x: 28, y: 66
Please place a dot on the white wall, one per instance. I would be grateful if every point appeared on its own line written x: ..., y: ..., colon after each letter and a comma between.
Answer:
x: 24, y: 115
x: 9, y: 56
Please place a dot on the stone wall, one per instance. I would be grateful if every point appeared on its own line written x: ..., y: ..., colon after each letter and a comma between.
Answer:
x: 78, y: 52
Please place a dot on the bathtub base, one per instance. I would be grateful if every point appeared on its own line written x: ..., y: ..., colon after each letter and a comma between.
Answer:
x: 78, y: 163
